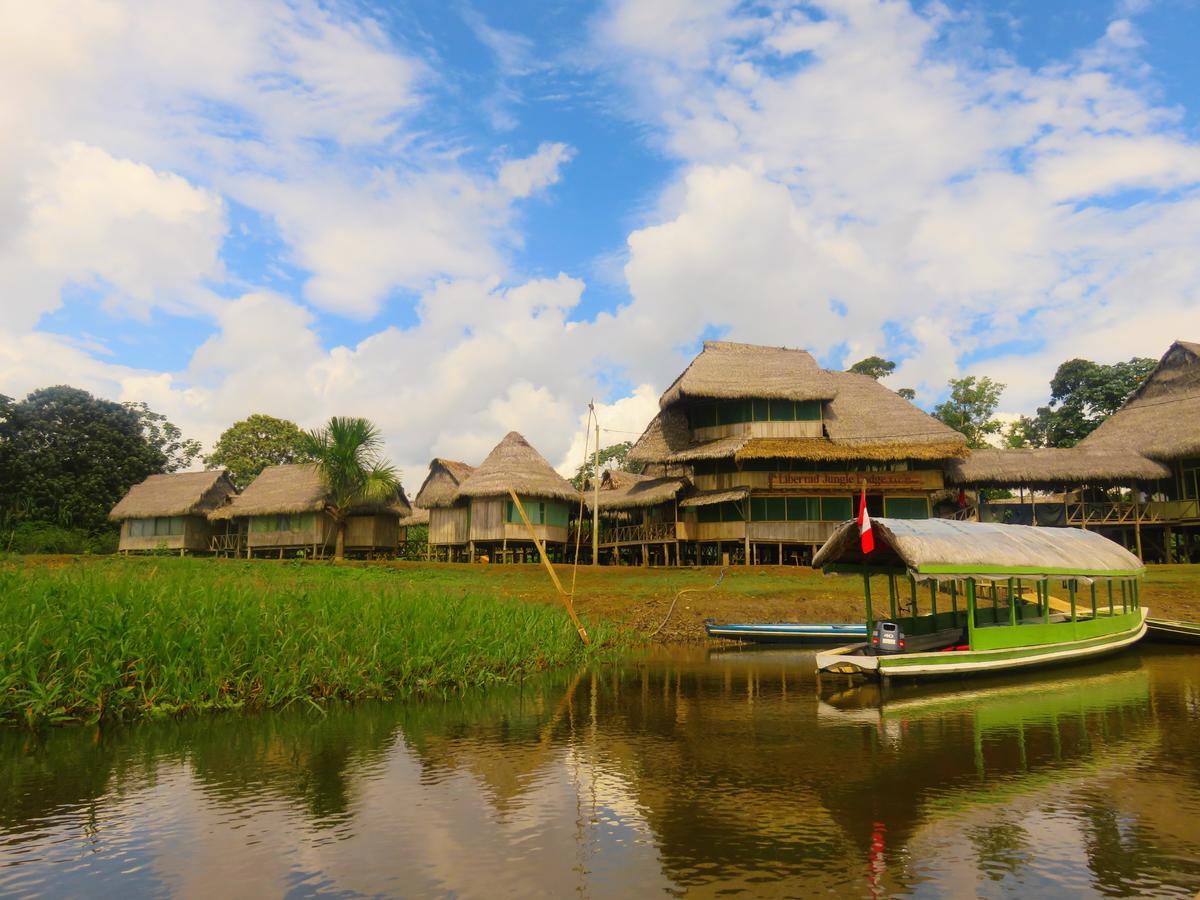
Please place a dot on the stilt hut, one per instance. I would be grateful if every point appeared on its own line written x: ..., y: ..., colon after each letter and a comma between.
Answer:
x: 777, y: 450
x: 496, y: 527
x: 1136, y: 478
x: 449, y: 514
x: 170, y: 512
x: 637, y: 517
x: 284, y: 512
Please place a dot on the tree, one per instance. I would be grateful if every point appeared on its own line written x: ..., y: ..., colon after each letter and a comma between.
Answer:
x: 1083, y: 394
x: 873, y: 367
x: 167, y: 439
x: 971, y: 408
x: 347, y: 454
x: 1024, y: 432
x: 907, y: 393
x: 249, y: 446
x: 613, y: 457
x: 67, y: 457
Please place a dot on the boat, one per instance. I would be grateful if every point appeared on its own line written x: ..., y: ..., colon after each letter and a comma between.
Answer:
x: 786, y: 632
x: 979, y: 597
x: 1171, y: 631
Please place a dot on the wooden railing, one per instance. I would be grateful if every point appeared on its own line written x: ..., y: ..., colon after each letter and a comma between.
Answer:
x: 1127, y: 513
x: 225, y: 543
x: 653, y: 533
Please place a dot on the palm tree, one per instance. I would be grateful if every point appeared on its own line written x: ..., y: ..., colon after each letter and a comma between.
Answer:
x: 347, y: 454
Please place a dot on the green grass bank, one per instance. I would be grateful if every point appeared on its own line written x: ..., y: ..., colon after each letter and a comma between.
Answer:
x: 112, y: 639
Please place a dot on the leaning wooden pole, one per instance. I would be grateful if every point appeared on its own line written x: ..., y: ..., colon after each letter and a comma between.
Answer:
x: 596, y: 492
x: 566, y: 598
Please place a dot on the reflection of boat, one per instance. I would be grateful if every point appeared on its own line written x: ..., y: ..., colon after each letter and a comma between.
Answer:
x: 1170, y: 631
x: 1010, y: 565
x: 786, y: 633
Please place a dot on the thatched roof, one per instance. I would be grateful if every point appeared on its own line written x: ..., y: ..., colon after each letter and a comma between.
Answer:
x: 728, y: 371
x: 707, y: 498
x: 864, y: 420
x: 441, y: 484
x: 295, y: 488
x: 1053, y: 467
x: 177, y: 494
x: 515, y: 465
x: 625, y: 490
x: 1162, y: 418
x: 944, y: 548
x: 418, y: 516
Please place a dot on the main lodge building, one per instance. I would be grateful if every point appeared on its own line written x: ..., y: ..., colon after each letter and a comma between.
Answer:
x: 773, y: 451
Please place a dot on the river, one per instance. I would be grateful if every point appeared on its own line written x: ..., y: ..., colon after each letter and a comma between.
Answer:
x: 691, y: 772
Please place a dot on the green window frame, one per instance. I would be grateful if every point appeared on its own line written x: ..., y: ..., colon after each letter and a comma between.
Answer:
x: 836, y: 509
x: 557, y: 515
x: 905, y: 508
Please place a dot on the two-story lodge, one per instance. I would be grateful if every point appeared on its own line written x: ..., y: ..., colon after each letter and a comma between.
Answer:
x: 775, y: 450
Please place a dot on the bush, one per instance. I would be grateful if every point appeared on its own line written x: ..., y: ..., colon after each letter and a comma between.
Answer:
x: 45, y: 537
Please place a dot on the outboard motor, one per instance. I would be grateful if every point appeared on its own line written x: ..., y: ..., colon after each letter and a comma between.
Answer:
x: 887, y: 638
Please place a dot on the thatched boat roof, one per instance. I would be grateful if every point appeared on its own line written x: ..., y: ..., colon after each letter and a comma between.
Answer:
x: 514, y: 465
x: 296, y: 488
x: 1053, y: 467
x: 176, y: 494
x: 945, y: 548
x: 729, y: 371
x: 864, y: 420
x: 625, y: 490
x: 441, y: 485
x: 1161, y: 419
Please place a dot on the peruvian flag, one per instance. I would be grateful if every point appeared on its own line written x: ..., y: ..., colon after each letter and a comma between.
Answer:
x: 865, y: 534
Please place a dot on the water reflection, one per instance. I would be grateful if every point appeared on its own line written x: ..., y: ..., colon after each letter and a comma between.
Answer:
x: 719, y: 772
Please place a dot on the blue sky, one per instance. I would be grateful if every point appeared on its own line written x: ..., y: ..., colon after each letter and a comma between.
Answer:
x: 464, y: 218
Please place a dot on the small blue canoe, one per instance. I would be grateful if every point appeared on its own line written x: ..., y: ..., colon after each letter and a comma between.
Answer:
x: 787, y: 633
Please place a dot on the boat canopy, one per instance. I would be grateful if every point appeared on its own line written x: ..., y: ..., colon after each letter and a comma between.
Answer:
x: 946, y: 549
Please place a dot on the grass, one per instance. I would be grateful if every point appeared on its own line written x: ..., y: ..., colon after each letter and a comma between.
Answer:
x: 110, y: 639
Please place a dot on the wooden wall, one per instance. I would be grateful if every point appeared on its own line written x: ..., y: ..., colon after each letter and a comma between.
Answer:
x: 546, y: 533
x: 449, y: 526
x: 487, y: 519
x: 317, y: 533
x: 801, y: 428
x: 196, y: 533
x: 377, y: 532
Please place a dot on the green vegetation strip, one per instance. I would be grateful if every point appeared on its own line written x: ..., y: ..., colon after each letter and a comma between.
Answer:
x: 109, y: 639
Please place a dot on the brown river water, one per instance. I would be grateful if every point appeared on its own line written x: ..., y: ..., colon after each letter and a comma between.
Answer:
x: 698, y: 773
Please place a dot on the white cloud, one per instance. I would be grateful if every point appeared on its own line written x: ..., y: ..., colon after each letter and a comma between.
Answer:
x: 523, y: 177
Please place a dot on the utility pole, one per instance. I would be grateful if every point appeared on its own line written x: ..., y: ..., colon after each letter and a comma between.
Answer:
x: 595, y: 490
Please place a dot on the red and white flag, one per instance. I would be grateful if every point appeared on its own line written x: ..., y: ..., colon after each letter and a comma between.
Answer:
x: 865, y: 534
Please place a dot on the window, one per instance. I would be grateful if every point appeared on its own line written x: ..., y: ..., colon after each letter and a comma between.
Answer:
x: 703, y: 416
x: 556, y: 515
x: 906, y: 508
x: 535, y: 509
x: 719, y: 512
x: 783, y: 411
x: 161, y: 526
x: 836, y: 509
x: 762, y: 410
x: 808, y: 410
x: 804, y: 509
x: 734, y: 412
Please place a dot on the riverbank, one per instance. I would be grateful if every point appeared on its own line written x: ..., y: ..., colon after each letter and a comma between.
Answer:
x: 85, y: 637
x: 92, y: 639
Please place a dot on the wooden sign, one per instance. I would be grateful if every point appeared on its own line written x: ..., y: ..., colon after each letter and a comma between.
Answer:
x: 922, y: 480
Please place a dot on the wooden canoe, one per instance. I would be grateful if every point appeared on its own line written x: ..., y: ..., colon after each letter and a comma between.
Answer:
x: 786, y: 633
x: 1170, y: 631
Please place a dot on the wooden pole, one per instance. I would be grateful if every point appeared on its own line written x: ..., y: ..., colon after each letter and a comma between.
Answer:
x: 1137, y: 521
x: 596, y: 491
x: 563, y: 595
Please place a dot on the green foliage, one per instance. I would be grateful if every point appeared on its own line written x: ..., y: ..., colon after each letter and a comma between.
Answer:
x: 44, y: 537
x: 1022, y: 433
x: 1082, y: 395
x: 249, y: 446
x: 873, y: 367
x: 615, y: 456
x: 971, y: 408
x: 347, y: 453
x: 907, y: 393
x: 117, y: 638
x: 67, y: 457
x: 165, y: 438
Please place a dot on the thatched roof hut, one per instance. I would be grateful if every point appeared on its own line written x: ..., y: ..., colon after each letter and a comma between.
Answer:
x: 625, y: 490
x: 176, y: 494
x: 861, y: 418
x: 1159, y: 423
x: 296, y: 488
x: 514, y: 465
x: 728, y: 371
x: 440, y: 489
x: 1161, y: 419
x: 1053, y: 467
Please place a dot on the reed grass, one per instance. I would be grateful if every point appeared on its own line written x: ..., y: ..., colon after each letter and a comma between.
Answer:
x: 110, y: 639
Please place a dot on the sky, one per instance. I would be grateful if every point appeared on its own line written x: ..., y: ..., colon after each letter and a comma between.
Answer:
x: 463, y: 218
